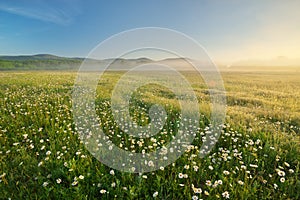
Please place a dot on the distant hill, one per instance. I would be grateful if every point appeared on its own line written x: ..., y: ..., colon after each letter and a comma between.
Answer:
x: 36, y: 57
x: 39, y: 62
x: 53, y: 62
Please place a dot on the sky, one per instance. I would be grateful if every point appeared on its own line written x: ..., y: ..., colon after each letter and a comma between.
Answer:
x: 229, y: 31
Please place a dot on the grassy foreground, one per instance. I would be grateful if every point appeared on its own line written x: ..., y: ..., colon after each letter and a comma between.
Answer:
x: 256, y: 157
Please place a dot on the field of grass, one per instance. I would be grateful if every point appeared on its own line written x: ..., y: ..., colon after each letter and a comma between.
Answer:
x: 256, y: 157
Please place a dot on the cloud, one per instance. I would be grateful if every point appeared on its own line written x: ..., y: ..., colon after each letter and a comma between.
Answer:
x: 43, y: 11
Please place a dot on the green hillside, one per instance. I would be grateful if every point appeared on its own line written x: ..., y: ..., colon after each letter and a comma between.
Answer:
x: 38, y: 62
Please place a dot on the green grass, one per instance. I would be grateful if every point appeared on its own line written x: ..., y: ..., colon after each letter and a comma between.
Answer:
x: 41, y: 156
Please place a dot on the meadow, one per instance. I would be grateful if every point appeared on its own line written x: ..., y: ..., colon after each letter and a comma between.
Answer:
x: 256, y: 157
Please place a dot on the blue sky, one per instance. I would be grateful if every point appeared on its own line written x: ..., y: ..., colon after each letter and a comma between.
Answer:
x: 229, y: 30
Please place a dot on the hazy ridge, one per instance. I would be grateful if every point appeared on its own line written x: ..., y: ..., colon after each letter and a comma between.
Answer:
x: 53, y: 62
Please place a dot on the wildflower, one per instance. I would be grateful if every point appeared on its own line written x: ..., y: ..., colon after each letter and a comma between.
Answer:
x: 3, y: 175
x: 280, y: 167
x: 102, y: 191
x: 45, y: 184
x: 265, y: 181
x: 275, y: 186
x: 286, y: 164
x: 81, y: 177
x: 251, y: 142
x: 225, y: 194
x: 215, y: 184
x: 48, y: 153
x: 58, y: 180
x: 282, y: 179
x: 240, y: 182
x: 150, y: 163
x: 281, y: 173
x: 155, y: 194
x: 112, y: 172
x: 254, y: 166
x: 74, y: 183
x: 208, y: 182
x: 196, y: 190
x: 206, y: 193
x: 225, y: 172
x: 194, y: 197
x: 180, y: 175
x: 195, y: 168
x: 210, y: 167
x: 113, y: 184
x: 291, y: 171
x: 132, y: 169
